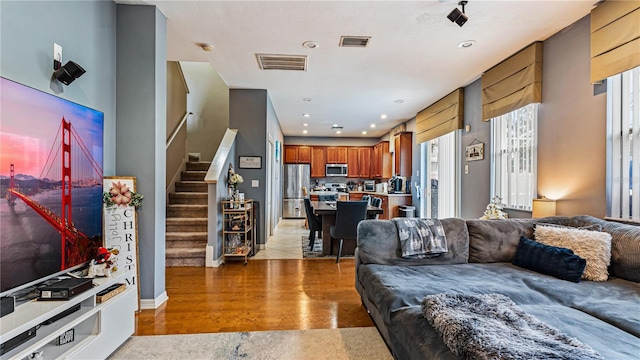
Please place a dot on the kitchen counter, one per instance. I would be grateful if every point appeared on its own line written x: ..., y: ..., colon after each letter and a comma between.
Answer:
x: 376, y: 193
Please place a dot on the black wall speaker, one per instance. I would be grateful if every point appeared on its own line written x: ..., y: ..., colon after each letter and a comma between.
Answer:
x: 67, y: 73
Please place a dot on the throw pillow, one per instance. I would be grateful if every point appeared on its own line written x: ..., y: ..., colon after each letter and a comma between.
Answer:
x: 549, y: 260
x: 592, y: 227
x: 593, y: 246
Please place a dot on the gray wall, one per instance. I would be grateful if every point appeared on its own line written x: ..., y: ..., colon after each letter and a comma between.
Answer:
x: 572, y: 126
x: 208, y: 100
x: 274, y: 131
x: 248, y: 114
x: 142, y: 130
x: 475, y: 186
x: 26, y: 54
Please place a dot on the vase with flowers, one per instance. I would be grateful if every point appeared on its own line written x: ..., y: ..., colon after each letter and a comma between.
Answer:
x: 233, y: 181
x: 494, y: 211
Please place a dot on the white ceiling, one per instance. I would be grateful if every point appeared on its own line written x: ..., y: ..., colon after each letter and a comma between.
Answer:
x: 413, y: 53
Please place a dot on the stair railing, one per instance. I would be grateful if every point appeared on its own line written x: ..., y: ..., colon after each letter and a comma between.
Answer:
x: 177, y: 153
x: 216, y: 179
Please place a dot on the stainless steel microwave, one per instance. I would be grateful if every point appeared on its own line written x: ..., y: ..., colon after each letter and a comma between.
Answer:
x: 336, y: 170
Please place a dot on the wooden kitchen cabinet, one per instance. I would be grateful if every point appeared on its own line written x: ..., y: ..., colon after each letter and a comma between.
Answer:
x: 359, y: 162
x: 381, y: 161
x: 403, y: 148
x: 364, y: 158
x: 337, y: 155
x: 296, y: 154
x: 318, y: 161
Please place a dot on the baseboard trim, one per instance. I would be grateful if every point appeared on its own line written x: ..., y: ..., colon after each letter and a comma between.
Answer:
x: 152, y: 304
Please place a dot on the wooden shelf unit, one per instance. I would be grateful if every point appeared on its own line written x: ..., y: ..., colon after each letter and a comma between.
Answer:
x: 238, y: 229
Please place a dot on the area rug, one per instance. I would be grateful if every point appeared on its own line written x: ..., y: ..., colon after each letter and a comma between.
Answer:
x: 348, y: 343
x: 317, y: 249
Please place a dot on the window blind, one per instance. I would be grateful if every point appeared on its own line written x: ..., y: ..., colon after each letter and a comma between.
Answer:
x: 513, y: 83
x: 615, y: 38
x: 442, y: 117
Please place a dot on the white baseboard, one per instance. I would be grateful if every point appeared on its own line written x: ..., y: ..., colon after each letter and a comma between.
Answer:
x: 209, y: 260
x: 151, y: 304
x: 262, y: 246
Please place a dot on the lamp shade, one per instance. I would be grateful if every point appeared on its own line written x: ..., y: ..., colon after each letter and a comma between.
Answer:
x: 543, y: 207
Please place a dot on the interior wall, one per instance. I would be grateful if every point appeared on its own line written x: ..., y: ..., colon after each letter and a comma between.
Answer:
x: 208, y: 100
x: 275, y: 132
x: 475, y: 186
x: 176, y: 96
x: 141, y: 146
x: 572, y: 126
x: 248, y: 114
x: 26, y: 54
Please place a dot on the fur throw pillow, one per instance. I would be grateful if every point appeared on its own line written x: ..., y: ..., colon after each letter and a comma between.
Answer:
x: 593, y: 246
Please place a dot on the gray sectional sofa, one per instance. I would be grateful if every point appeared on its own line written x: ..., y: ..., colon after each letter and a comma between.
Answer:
x: 603, y: 315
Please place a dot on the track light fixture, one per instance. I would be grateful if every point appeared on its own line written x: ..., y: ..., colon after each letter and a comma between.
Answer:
x: 457, y: 16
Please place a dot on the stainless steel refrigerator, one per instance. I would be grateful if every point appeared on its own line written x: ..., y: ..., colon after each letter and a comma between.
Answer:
x: 295, y: 178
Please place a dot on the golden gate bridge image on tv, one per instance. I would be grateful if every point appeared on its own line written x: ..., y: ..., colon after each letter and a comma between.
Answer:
x: 67, y: 152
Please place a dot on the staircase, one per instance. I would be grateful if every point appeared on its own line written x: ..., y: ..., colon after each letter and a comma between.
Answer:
x: 186, y: 232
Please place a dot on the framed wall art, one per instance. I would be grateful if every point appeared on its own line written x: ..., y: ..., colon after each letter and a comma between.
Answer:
x: 474, y: 151
x: 250, y: 162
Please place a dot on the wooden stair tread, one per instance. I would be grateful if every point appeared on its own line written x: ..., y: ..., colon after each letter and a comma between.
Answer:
x: 185, y: 252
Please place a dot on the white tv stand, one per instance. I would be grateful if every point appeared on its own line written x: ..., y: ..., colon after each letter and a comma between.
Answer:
x: 99, y: 329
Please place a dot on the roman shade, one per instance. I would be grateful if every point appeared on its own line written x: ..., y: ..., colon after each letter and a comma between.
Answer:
x: 615, y: 38
x: 513, y: 83
x: 442, y: 117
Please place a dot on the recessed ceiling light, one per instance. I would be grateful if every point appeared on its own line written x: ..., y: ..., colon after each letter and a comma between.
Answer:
x: 467, y: 43
x: 305, y: 124
x: 383, y: 116
x: 399, y: 101
x: 306, y: 115
x: 306, y: 99
x: 310, y: 44
x: 338, y: 132
x: 373, y: 125
x: 364, y: 133
x: 206, y: 47
x: 304, y: 131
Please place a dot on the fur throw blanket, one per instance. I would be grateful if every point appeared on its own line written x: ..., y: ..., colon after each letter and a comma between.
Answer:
x: 493, y: 327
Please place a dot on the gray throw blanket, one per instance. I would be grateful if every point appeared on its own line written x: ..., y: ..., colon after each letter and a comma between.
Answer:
x: 493, y: 327
x: 421, y: 238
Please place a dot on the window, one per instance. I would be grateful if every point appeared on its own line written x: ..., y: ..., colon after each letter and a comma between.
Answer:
x: 623, y: 145
x: 514, y: 157
x: 439, y: 177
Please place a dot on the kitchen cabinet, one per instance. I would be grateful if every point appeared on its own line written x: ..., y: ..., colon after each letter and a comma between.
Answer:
x: 403, y: 148
x: 359, y: 162
x: 318, y: 161
x: 337, y: 155
x: 381, y: 161
x: 364, y: 158
x: 296, y: 154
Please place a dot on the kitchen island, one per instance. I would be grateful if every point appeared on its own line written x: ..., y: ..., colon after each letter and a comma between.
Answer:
x: 390, y: 202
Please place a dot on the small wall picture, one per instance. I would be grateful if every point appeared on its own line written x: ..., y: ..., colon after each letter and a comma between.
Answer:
x: 475, y: 152
x: 250, y: 162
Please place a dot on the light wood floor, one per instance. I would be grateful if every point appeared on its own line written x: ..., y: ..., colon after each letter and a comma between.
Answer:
x: 263, y: 295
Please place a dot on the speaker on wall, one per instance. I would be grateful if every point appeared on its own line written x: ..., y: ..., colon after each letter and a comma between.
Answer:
x: 67, y: 73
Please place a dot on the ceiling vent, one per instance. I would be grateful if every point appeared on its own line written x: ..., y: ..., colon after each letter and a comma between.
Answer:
x: 282, y: 62
x: 354, y: 41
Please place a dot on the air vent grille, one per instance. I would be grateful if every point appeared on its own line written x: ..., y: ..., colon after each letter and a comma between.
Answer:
x: 354, y: 41
x: 282, y: 62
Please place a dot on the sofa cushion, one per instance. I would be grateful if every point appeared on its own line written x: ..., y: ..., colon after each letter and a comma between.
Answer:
x: 593, y: 246
x: 625, y: 243
x: 496, y: 240
x: 550, y: 260
x: 374, y: 245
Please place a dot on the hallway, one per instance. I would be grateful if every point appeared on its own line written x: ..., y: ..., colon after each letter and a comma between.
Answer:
x: 286, y: 243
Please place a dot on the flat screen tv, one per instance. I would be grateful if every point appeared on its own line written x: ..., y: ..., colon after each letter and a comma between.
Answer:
x: 51, y: 157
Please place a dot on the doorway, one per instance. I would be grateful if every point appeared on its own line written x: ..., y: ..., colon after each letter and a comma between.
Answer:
x: 439, y: 176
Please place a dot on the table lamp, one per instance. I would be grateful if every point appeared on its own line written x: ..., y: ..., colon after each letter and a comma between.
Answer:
x: 543, y: 207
